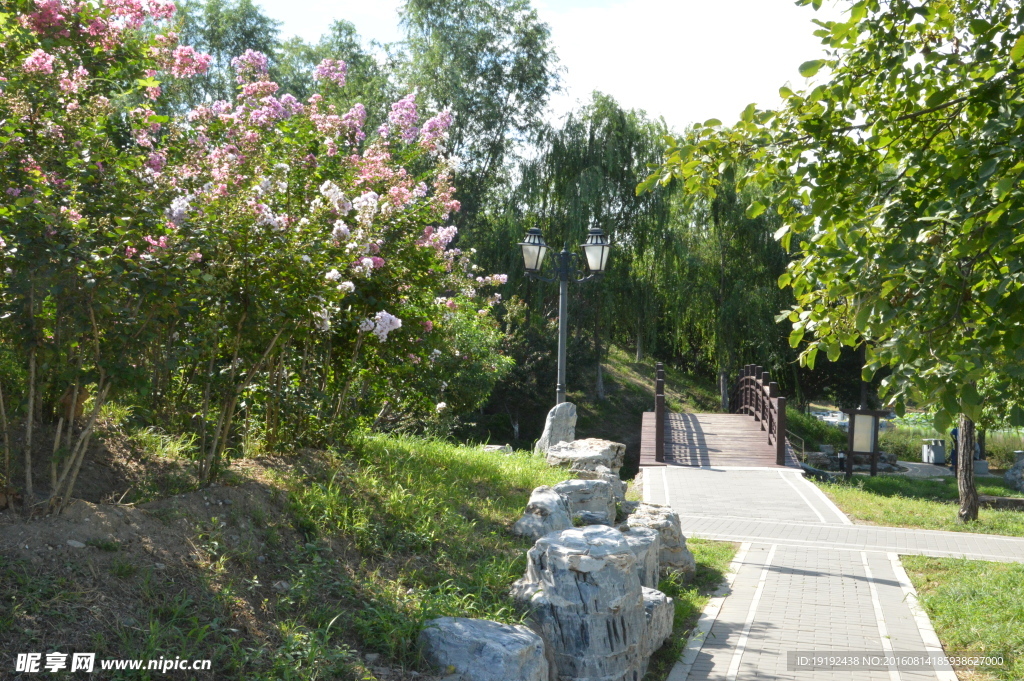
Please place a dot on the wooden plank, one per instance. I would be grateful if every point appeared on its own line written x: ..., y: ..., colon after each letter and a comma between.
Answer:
x: 710, y: 440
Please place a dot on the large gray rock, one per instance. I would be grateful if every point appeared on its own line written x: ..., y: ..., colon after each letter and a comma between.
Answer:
x: 560, y: 426
x: 546, y: 511
x: 481, y: 650
x: 585, y: 601
x: 1014, y: 476
x: 646, y: 545
x: 599, y: 472
x: 588, y: 495
x: 673, y: 555
x: 587, y: 453
x: 660, y: 611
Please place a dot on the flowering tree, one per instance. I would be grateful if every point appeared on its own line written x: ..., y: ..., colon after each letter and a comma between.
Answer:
x: 266, y: 255
x: 76, y: 162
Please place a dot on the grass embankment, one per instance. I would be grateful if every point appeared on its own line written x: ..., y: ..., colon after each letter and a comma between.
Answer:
x: 976, y: 607
x: 713, y: 560
x: 898, y: 501
x: 317, y: 561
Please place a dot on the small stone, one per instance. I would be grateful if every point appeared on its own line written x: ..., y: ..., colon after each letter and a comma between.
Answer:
x: 227, y: 502
x: 73, y: 544
x: 159, y: 566
x: 281, y: 586
x: 371, y: 657
x: 261, y: 559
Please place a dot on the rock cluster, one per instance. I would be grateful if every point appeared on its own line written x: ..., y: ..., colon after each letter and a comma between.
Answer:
x: 589, y: 495
x: 586, y: 601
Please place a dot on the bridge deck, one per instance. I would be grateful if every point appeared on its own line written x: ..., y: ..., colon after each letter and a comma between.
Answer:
x: 711, y: 440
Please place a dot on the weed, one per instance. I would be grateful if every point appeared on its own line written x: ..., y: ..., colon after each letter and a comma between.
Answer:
x: 105, y: 544
x: 123, y: 569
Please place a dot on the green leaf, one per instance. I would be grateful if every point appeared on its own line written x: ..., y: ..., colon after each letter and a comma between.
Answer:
x: 809, y: 68
x: 863, y: 315
x: 754, y: 209
x: 796, y: 337
x: 942, y: 420
x: 712, y: 123
x: 784, y: 279
x: 969, y: 396
x: 1016, y: 416
x: 1017, y: 51
x: 938, y: 97
x: 748, y: 113
x: 785, y: 92
x: 23, y: 201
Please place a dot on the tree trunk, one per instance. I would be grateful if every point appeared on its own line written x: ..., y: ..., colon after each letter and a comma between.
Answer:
x: 639, y: 344
x: 29, y: 418
x: 723, y: 388
x: 597, y: 347
x: 965, y: 472
x: 7, y: 442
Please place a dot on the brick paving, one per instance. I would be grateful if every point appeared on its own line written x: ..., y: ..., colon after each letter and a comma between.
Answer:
x: 805, y: 579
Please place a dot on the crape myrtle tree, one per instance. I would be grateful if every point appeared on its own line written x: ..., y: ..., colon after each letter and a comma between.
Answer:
x: 264, y: 256
x: 899, y: 181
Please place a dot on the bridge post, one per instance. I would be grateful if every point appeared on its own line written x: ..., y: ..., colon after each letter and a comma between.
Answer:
x: 659, y: 413
x: 780, y: 440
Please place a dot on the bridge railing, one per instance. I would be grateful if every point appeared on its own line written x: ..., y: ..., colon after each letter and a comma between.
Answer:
x: 659, y: 412
x: 757, y: 395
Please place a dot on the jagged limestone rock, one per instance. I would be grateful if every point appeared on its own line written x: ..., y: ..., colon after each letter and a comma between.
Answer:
x: 582, y: 518
x: 482, y: 650
x: 588, y: 495
x: 646, y: 545
x: 586, y: 453
x: 585, y: 601
x: 1014, y: 476
x: 599, y: 472
x: 546, y: 511
x: 560, y: 426
x: 673, y: 556
x: 660, y: 612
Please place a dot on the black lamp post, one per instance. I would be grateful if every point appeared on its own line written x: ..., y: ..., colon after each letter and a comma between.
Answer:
x: 596, y: 249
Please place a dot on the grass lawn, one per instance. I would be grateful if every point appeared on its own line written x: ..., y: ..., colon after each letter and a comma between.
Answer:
x: 898, y: 501
x: 713, y: 558
x: 975, y: 606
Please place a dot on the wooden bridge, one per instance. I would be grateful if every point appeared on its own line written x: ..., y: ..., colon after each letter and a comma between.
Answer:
x: 753, y: 434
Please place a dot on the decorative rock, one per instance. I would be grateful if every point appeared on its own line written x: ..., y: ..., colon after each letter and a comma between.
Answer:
x: 560, y: 426
x: 75, y: 544
x: 547, y: 511
x: 588, y: 495
x: 598, y: 472
x: 629, y: 507
x: 661, y: 613
x: 585, y: 601
x: 586, y: 453
x: 1014, y: 476
x: 645, y: 544
x: 498, y: 449
x: 673, y: 555
x: 590, y: 518
x: 481, y: 650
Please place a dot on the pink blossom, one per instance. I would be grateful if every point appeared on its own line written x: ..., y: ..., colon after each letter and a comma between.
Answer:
x: 452, y: 305
x: 73, y: 81
x: 39, y: 62
x: 195, y: 256
x: 377, y: 262
x: 130, y: 252
x: 404, y: 116
x: 156, y: 161
x: 435, y: 130
x: 153, y: 93
x: 187, y: 62
x: 49, y: 14
x: 12, y: 191
x: 155, y: 243
x: 249, y: 66
x: 333, y: 70
x: 428, y: 326
x: 258, y: 89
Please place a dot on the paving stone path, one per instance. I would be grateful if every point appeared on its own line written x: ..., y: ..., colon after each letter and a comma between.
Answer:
x: 806, y: 579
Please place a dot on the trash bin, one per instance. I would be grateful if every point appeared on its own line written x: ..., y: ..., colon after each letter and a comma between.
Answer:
x: 934, y: 451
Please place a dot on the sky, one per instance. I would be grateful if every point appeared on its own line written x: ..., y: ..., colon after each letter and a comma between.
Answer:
x: 684, y: 60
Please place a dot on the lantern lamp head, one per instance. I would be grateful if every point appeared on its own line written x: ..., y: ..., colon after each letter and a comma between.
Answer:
x: 534, y: 250
x: 597, y: 248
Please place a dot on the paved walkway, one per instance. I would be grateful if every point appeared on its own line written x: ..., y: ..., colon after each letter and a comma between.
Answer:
x: 805, y: 579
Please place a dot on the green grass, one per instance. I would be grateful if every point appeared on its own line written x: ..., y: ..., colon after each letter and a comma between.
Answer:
x: 814, y: 432
x: 898, y: 501
x: 975, y: 607
x: 713, y: 558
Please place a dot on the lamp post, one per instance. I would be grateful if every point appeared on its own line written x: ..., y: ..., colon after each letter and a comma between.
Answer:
x: 596, y: 249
